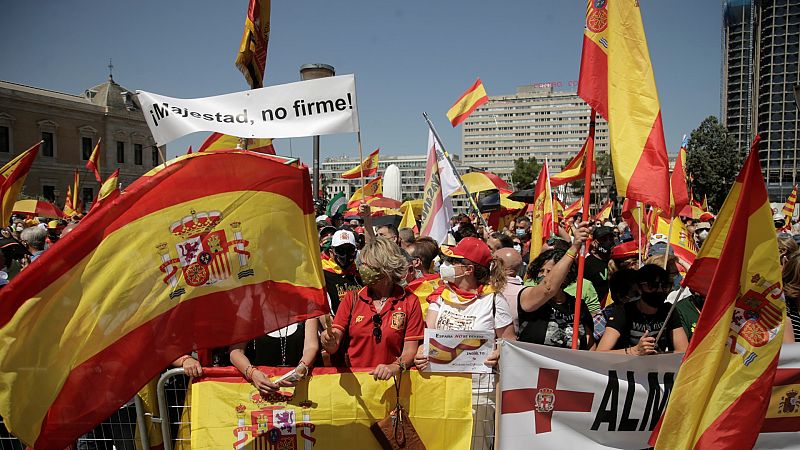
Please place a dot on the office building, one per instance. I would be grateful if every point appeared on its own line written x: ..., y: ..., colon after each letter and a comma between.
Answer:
x: 759, y: 74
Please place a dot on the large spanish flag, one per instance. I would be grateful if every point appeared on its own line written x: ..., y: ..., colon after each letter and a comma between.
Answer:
x: 213, y: 249
x: 369, y: 167
x: 333, y: 409
x: 12, y: 179
x: 542, y: 219
x: 616, y: 79
x: 94, y: 161
x: 575, y: 169
x: 722, y: 391
x: 679, y: 191
x: 219, y: 141
x: 251, y: 59
x: 469, y: 102
x: 788, y: 208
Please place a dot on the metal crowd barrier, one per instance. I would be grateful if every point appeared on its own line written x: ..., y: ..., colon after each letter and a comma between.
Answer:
x: 115, y: 433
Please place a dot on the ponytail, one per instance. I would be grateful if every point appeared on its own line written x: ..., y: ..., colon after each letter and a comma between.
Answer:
x: 494, y: 275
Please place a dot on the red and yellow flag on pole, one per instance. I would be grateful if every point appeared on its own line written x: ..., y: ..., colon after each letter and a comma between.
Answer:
x: 159, y: 272
x: 108, y: 191
x: 705, y: 202
x: 369, y: 167
x: 679, y: 191
x: 469, y: 102
x: 219, y: 141
x: 371, y: 189
x: 77, y: 203
x: 542, y: 219
x: 573, y: 209
x: 788, y: 208
x: 12, y: 179
x: 69, y: 208
x: 680, y: 241
x: 575, y: 169
x: 617, y: 80
x: 634, y: 214
x: 94, y: 161
x: 251, y: 59
x: 723, y: 388
x: 605, y: 211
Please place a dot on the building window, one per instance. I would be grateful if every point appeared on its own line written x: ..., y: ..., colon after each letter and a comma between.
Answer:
x: 86, y: 148
x: 49, y: 193
x: 120, y: 152
x: 5, y: 139
x: 137, y: 154
x: 47, y: 145
x: 87, y: 196
x: 155, y: 156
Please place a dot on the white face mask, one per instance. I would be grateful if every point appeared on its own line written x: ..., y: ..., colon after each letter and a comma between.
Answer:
x: 703, y: 235
x: 448, y: 272
x: 518, y: 248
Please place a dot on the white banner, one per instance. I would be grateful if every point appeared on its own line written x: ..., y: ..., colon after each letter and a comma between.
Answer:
x: 305, y: 108
x: 458, y: 351
x: 559, y: 398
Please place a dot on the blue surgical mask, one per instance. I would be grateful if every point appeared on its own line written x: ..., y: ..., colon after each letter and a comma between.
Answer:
x: 520, y: 232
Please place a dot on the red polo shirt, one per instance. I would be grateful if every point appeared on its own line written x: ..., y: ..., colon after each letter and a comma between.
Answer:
x: 401, y: 320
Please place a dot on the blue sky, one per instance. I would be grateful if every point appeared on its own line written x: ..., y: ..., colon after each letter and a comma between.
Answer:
x: 408, y: 57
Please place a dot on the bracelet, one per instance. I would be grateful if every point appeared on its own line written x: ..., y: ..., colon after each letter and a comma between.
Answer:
x: 572, y: 253
x: 182, y: 359
x: 248, y: 372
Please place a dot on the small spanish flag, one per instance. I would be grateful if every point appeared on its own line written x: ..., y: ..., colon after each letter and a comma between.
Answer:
x: 605, y: 211
x: 189, y: 257
x: 12, y: 178
x: 369, y: 166
x: 573, y: 209
x: 251, y: 59
x: 474, y: 97
x: 219, y: 141
x: 371, y: 189
x: 575, y: 169
x: 679, y: 191
x: 108, y: 191
x: 94, y: 161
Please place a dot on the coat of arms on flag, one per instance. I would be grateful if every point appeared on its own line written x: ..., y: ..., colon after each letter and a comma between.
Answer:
x: 203, y: 252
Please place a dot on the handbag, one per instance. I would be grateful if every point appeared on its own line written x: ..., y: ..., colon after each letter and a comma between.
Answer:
x: 396, y: 431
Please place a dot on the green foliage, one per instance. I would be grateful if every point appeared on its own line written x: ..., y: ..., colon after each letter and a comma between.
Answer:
x: 525, y: 173
x: 713, y: 160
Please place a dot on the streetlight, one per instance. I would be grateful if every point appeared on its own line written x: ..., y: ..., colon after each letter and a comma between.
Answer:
x: 312, y: 72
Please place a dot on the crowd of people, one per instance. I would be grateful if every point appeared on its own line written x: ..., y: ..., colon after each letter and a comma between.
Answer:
x: 385, y: 286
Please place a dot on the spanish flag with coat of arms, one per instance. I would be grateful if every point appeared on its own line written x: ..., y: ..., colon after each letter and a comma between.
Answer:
x: 211, y: 249
x: 723, y: 387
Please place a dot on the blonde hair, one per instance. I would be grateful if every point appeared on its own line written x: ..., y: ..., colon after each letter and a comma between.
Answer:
x: 494, y: 275
x: 384, y: 255
x: 787, y: 245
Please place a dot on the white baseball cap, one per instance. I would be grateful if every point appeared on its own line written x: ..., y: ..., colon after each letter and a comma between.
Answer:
x: 343, y: 237
x: 322, y: 218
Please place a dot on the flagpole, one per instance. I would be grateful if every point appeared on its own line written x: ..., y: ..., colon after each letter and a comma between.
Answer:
x: 671, y: 309
x: 587, y: 182
x: 669, y: 240
x: 361, y: 166
x: 455, y: 171
x: 639, y: 233
x: 554, y: 219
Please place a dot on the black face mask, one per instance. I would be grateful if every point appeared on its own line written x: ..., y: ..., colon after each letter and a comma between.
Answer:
x: 344, y: 261
x: 654, y: 299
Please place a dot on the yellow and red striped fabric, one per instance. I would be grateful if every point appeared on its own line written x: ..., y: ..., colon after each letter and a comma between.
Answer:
x: 371, y: 189
x: 213, y: 249
x: 251, y: 59
x: 705, y: 201
x: 634, y: 214
x: 788, y: 208
x: 219, y: 141
x: 605, y: 211
x: 69, y: 209
x: 76, y: 192
x: 616, y: 79
x: 679, y: 191
x: 94, y: 161
x: 575, y: 169
x: 573, y: 209
x: 723, y: 388
x: 12, y: 178
x: 369, y: 166
x: 680, y: 241
x: 108, y: 191
x: 542, y: 219
x: 469, y: 102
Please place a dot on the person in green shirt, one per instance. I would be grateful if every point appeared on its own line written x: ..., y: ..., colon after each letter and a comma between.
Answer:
x: 688, y: 311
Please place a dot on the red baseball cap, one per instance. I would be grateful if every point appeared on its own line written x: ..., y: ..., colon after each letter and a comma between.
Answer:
x: 472, y: 249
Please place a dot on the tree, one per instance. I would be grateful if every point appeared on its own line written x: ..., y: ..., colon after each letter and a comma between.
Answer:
x: 525, y: 173
x: 712, y: 162
x: 603, y: 182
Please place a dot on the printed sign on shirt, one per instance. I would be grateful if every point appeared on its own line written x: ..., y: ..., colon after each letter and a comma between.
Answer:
x: 458, y: 351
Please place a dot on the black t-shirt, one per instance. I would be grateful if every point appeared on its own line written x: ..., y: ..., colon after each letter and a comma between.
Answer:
x: 631, y: 323
x: 270, y: 350
x: 337, y: 285
x: 551, y: 324
x: 596, y: 271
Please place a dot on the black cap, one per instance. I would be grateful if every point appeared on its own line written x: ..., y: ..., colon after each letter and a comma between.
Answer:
x: 601, y: 232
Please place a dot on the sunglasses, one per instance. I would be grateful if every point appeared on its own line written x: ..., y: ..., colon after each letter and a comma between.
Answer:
x: 344, y: 251
x: 376, y: 324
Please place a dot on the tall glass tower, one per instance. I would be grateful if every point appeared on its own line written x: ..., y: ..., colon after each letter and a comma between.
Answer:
x: 759, y: 73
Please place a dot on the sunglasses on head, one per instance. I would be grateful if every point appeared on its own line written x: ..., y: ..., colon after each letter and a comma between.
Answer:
x: 376, y: 327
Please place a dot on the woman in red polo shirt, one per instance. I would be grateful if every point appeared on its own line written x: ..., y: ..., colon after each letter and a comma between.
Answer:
x: 381, y: 324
